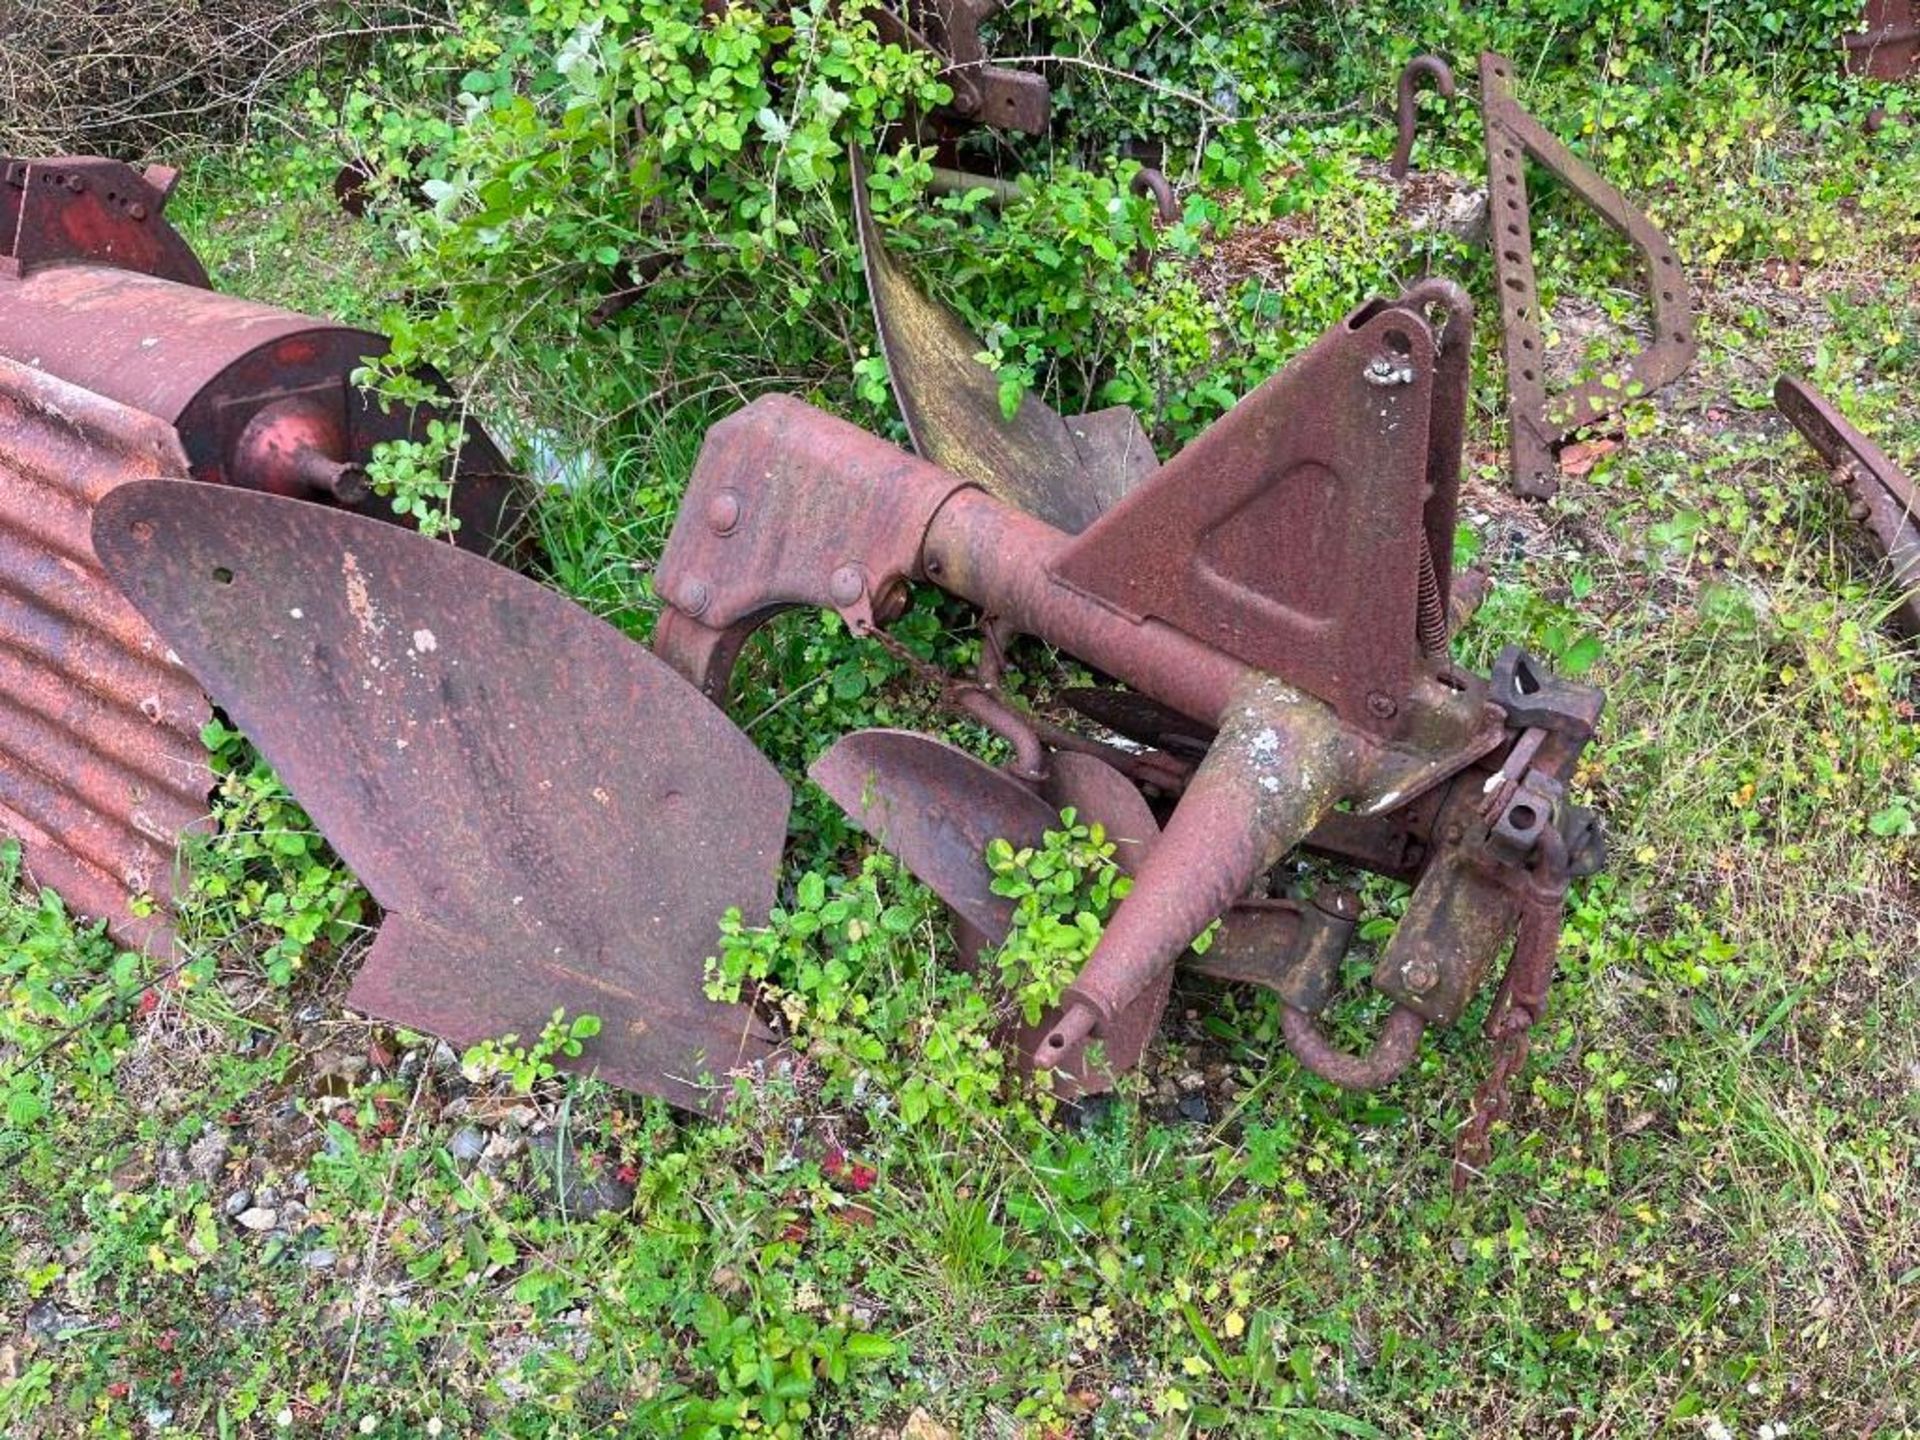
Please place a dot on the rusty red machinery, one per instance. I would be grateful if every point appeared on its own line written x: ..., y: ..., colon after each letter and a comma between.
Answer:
x: 1879, y: 493
x: 118, y: 363
x: 1538, y: 423
x: 553, y: 816
x: 1887, y: 44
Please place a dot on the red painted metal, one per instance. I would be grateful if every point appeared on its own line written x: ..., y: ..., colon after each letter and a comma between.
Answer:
x: 1888, y: 45
x: 1289, y: 534
x: 983, y: 93
x: 84, y: 210
x: 101, y: 765
x: 463, y: 737
x: 1209, y: 590
x: 1537, y: 424
x: 117, y: 363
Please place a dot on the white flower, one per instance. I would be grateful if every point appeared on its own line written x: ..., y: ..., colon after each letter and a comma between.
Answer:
x: 368, y: 1424
x: 1716, y: 1430
x: 283, y: 1419
x: 433, y: 1426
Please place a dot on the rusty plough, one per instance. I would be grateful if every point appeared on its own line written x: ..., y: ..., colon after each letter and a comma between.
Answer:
x: 552, y: 816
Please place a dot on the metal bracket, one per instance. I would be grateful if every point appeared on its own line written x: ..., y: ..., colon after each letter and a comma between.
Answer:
x: 983, y: 94
x: 82, y: 209
x: 1538, y: 426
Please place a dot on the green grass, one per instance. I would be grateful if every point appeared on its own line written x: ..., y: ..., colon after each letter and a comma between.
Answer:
x: 1699, y: 1220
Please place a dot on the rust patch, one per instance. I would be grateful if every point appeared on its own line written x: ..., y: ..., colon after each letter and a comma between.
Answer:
x: 101, y: 764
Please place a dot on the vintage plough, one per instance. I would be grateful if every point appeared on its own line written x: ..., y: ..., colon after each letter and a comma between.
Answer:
x: 553, y: 816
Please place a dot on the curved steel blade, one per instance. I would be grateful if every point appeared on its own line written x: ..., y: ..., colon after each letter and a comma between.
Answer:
x: 1065, y: 472
x: 935, y: 807
x: 552, y: 817
x: 1096, y: 792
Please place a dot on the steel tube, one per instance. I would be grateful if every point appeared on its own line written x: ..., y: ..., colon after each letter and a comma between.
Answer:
x: 1001, y: 560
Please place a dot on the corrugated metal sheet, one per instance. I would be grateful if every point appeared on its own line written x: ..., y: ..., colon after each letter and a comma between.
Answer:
x: 101, y: 765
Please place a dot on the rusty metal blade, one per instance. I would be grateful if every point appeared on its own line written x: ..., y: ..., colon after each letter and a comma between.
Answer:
x: 1098, y: 793
x: 935, y: 807
x: 1880, y: 493
x: 552, y: 817
x: 1066, y: 472
x: 1141, y: 718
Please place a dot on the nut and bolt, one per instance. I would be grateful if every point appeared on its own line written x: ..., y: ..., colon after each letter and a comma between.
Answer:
x: 137, y: 210
x: 1382, y: 706
x: 847, y: 585
x: 723, y: 513
x: 695, y: 597
x: 1421, y: 975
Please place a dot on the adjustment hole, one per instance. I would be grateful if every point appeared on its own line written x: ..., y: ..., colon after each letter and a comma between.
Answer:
x: 1056, y: 1041
x: 1399, y: 342
x: 1515, y: 284
x: 1523, y: 817
x: 222, y: 575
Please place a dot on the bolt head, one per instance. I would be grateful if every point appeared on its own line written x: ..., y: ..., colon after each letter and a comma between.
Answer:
x: 723, y: 513
x: 695, y: 597
x: 847, y: 585
x: 137, y: 211
x: 1421, y: 976
x: 1382, y: 706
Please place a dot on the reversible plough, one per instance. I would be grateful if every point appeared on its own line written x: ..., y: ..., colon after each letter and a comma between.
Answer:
x: 552, y: 816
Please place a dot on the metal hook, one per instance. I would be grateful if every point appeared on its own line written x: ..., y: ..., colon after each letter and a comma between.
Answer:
x: 1442, y: 74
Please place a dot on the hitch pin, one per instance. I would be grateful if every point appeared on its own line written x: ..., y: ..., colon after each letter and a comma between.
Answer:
x: 1504, y: 781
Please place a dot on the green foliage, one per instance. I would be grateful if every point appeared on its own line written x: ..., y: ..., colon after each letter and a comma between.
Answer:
x: 524, y: 1066
x: 417, y: 477
x: 850, y: 964
x: 265, y: 873
x: 1062, y: 891
x: 1714, y: 1128
x: 588, y: 149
